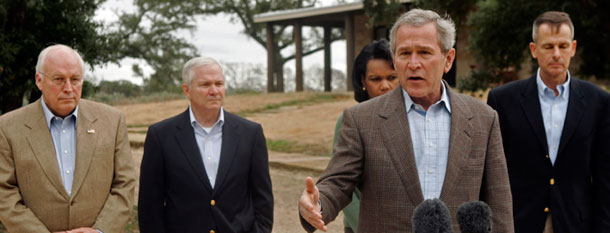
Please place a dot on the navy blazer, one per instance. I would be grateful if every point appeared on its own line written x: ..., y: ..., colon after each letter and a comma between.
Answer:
x: 576, y: 190
x: 176, y: 195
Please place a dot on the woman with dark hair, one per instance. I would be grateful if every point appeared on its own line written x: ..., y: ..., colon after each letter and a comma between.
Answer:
x: 373, y: 75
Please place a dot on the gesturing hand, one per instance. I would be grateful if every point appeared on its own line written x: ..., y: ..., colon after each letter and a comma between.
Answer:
x: 309, y: 205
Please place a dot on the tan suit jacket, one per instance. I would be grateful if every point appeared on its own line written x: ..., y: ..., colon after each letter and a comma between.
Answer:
x: 33, y: 198
x: 375, y: 153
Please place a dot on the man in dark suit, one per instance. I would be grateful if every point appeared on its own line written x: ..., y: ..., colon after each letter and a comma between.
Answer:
x: 556, y: 131
x: 205, y: 170
x: 417, y: 142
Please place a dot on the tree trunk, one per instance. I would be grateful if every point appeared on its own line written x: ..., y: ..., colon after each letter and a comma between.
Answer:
x: 279, y: 76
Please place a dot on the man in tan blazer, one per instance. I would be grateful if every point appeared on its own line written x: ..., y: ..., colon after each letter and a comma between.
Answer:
x: 65, y: 163
x: 418, y: 142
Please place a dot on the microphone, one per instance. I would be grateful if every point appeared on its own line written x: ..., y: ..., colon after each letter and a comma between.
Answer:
x: 474, y: 217
x: 431, y: 216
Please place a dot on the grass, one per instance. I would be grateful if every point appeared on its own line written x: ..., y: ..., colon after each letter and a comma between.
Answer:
x: 120, y: 99
x: 319, y: 98
x: 294, y: 147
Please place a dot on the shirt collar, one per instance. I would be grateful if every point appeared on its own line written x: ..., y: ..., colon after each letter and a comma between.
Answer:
x: 48, y: 115
x: 444, y: 98
x: 193, y: 120
x: 563, y: 89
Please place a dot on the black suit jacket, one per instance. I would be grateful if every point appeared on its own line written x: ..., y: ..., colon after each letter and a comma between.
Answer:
x: 579, y: 198
x: 176, y: 195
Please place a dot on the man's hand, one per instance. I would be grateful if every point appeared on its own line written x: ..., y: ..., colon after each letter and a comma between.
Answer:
x: 310, y: 207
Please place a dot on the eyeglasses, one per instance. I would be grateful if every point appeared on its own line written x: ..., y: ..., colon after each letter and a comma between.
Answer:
x: 59, y: 81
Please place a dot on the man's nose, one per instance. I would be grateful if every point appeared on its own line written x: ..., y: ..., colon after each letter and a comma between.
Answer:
x: 413, y: 62
x: 556, y: 53
x: 68, y: 86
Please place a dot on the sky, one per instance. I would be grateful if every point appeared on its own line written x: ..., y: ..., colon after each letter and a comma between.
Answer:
x: 215, y: 37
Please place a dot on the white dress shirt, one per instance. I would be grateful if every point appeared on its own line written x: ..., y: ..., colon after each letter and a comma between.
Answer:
x: 209, y: 141
x: 430, y: 131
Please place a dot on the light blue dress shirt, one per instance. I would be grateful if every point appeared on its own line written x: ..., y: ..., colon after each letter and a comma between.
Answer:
x: 209, y: 141
x: 554, y: 110
x: 63, y: 133
x: 430, y: 131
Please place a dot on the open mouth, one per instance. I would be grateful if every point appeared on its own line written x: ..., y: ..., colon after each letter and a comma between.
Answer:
x: 416, y: 78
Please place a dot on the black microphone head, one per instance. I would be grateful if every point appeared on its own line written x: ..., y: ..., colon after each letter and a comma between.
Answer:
x: 474, y: 217
x: 431, y: 216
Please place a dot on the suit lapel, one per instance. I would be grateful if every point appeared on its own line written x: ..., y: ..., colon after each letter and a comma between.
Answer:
x: 86, y: 139
x: 460, y: 142
x: 40, y: 141
x: 185, y: 138
x: 396, y: 137
x: 576, y: 108
x: 530, y: 103
x: 230, y: 140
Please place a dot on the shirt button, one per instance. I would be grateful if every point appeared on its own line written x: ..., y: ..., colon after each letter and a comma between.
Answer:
x: 209, y: 158
x: 430, y: 171
x: 65, y: 151
x: 68, y: 171
x: 555, y: 126
x: 63, y: 131
x: 555, y: 147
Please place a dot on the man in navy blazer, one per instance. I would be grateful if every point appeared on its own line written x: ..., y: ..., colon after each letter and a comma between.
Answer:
x: 205, y: 170
x: 556, y: 131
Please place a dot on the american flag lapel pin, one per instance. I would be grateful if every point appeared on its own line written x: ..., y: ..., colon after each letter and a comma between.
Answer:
x: 91, y: 131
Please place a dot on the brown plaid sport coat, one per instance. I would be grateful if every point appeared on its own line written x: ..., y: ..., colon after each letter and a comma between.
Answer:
x: 374, y: 152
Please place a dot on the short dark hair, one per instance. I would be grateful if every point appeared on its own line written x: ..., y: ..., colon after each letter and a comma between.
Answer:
x: 378, y: 49
x: 555, y: 19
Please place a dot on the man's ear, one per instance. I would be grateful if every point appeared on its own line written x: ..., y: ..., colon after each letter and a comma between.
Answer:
x: 38, y: 81
x: 449, y: 58
x: 533, y: 49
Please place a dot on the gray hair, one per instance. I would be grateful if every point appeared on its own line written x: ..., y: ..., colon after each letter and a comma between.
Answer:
x: 189, y: 66
x: 555, y: 19
x: 42, y: 57
x: 445, y: 28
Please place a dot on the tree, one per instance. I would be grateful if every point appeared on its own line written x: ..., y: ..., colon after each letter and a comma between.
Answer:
x: 495, y: 21
x: 28, y: 26
x: 152, y: 32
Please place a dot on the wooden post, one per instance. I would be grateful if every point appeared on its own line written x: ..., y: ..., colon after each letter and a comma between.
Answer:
x: 349, y: 42
x: 298, y: 44
x: 270, y: 59
x: 327, y: 66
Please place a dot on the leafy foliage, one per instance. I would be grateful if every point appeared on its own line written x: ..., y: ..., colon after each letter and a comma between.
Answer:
x: 381, y: 12
x: 28, y: 26
x: 502, y: 30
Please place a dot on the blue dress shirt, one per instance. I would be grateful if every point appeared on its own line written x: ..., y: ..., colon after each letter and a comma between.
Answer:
x: 63, y: 133
x: 209, y: 141
x: 554, y: 110
x: 430, y: 131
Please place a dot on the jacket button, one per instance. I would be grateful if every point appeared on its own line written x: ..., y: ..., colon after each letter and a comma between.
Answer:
x: 212, y: 231
x: 547, y: 156
x: 212, y: 202
x: 552, y: 181
x: 546, y: 210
